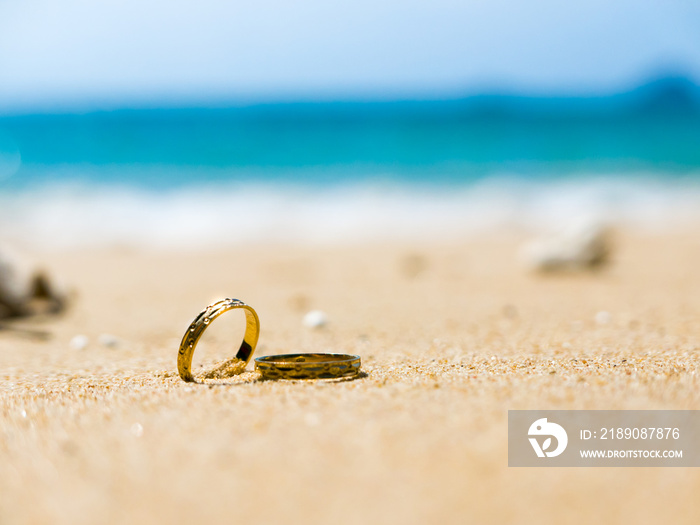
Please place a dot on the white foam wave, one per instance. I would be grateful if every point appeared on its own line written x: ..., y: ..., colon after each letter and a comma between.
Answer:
x: 223, y: 215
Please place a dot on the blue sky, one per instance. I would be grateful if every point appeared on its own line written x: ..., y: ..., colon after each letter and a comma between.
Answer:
x: 115, y: 53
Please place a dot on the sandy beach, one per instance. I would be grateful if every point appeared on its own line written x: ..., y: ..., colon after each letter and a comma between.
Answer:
x: 451, y: 337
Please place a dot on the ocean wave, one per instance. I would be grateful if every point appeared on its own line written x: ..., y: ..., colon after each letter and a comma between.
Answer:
x: 225, y: 214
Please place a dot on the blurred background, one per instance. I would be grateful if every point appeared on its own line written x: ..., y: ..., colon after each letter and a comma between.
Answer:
x: 172, y: 124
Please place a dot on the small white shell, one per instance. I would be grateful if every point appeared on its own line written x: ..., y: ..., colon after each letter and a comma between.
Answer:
x: 137, y: 430
x: 583, y: 247
x: 16, y: 273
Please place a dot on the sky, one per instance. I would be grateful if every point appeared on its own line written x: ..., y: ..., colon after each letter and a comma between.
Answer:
x: 124, y: 53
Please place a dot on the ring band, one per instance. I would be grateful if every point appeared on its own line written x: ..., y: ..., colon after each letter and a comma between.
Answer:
x: 308, y: 366
x: 233, y: 366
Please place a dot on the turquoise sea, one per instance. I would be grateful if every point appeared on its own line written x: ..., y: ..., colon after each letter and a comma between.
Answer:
x: 339, y: 170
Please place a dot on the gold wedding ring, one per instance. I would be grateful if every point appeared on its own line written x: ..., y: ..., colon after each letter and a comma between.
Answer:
x: 308, y: 366
x: 233, y: 366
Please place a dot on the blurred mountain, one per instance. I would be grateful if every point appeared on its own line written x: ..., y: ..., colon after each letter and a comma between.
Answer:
x: 665, y: 96
x: 669, y: 95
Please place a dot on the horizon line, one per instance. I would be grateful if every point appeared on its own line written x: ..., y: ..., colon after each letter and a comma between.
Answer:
x: 85, y: 105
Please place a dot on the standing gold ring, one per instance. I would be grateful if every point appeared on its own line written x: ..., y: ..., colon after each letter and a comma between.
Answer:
x: 233, y: 366
x: 308, y: 366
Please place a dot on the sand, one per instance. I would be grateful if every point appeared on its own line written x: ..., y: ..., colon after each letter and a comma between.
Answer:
x: 451, y: 337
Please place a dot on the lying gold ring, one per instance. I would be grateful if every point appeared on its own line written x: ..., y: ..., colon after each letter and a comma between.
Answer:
x: 308, y: 366
x: 233, y: 366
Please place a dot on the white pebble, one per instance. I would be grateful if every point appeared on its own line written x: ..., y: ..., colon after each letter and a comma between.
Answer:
x: 603, y: 317
x: 79, y: 342
x: 315, y: 319
x: 137, y: 430
x: 108, y: 340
